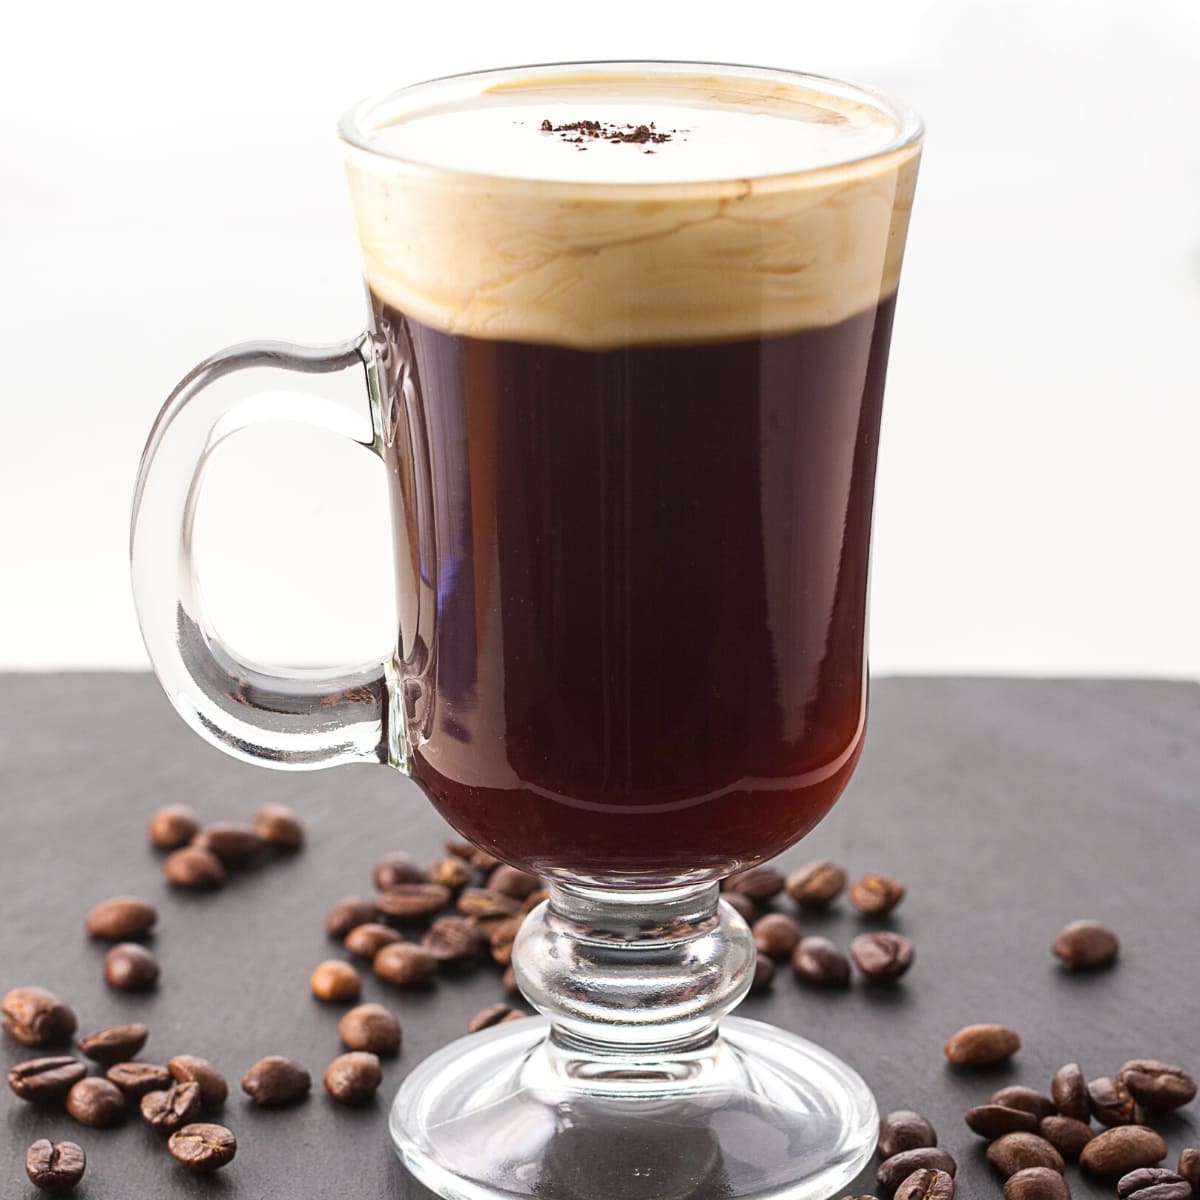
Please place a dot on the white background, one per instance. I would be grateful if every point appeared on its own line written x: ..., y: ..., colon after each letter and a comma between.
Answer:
x: 170, y: 183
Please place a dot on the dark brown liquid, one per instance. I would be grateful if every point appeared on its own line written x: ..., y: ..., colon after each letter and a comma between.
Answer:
x: 640, y: 605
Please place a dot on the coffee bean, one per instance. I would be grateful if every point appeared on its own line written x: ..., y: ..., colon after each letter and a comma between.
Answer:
x: 1085, y: 945
x: 115, y: 1045
x: 172, y: 826
x: 195, y: 868
x: 882, y: 957
x: 904, y: 1130
x: 533, y: 900
x: 404, y: 964
x: 452, y: 872
x: 1165, y: 1185
x: 46, y: 1080
x: 1066, y: 1135
x: 742, y: 905
x: 372, y: 1028
x: 1019, y: 1151
x: 172, y: 1108
x: 395, y: 870
x: 484, y: 860
x: 335, y: 982
x: 36, y: 1017
x: 454, y: 940
x: 233, y: 842
x: 279, y: 827
x: 494, y: 1014
x: 131, y: 968
x: 353, y: 1078
x: 413, y: 901
x: 1069, y: 1089
x: 819, y: 962
x: 876, y: 895
x: 366, y: 941
x: 483, y: 904
x: 274, y: 1082
x: 816, y: 884
x: 1036, y: 1183
x: 1123, y: 1149
x: 764, y: 975
x: 893, y: 1171
x: 135, y: 1079
x: 203, y: 1148
x: 776, y: 936
x: 55, y: 1166
x: 501, y: 936
x: 926, y: 1185
x: 96, y: 1103
x: 759, y: 883
x: 509, y: 982
x: 458, y: 848
x: 1156, y: 1085
x: 982, y: 1045
x: 994, y: 1120
x: 121, y: 919
x: 1189, y: 1167
x: 348, y: 914
x: 188, y: 1068
x: 1027, y: 1099
x: 512, y: 882
x: 1112, y: 1104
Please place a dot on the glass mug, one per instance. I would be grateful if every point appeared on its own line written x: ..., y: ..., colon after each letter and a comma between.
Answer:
x: 624, y: 363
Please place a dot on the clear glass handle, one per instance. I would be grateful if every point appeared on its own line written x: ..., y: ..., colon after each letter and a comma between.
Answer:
x: 288, y: 718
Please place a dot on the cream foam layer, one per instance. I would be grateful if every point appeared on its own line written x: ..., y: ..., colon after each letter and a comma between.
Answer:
x: 775, y: 204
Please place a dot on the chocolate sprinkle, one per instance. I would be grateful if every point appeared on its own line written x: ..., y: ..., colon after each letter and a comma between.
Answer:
x: 579, y: 133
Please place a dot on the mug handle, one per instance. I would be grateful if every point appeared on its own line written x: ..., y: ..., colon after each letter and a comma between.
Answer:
x: 287, y: 718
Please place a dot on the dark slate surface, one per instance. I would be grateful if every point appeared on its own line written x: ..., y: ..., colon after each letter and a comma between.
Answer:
x: 1009, y: 807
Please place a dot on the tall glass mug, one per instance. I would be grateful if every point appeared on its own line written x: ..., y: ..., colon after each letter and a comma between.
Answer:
x: 624, y: 361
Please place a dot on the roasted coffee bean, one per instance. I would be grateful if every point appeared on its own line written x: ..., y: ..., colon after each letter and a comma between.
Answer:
x: 46, y: 1080
x: 501, y: 936
x: 1036, y: 1183
x: 509, y: 982
x: 1121, y: 1150
x: 494, y: 1014
x: 188, y: 1068
x: 511, y: 882
x: 404, y: 964
x: 115, y: 1045
x: 458, y: 848
x: 876, y: 895
x: 1019, y: 1151
x: 366, y: 941
x: 279, y: 827
x: 895, y: 1170
x: 335, y: 982
x: 882, y: 957
x: 816, y: 884
x: 131, y: 968
x: 55, y: 1166
x: 395, y: 870
x: 274, y: 1082
x: 764, y: 975
x: 1070, y: 1092
x: 135, y: 1079
x: 452, y: 872
x: 194, y: 867
x: 1085, y: 945
x: 121, y: 919
x: 982, y: 1045
x: 759, y: 883
x: 742, y: 905
x: 454, y: 940
x: 484, y: 860
x: 413, y: 901
x: 233, y: 842
x: 776, y: 936
x: 372, y: 1028
x: 926, y: 1185
x: 994, y: 1120
x: 348, y: 914
x: 1189, y: 1167
x: 533, y: 900
x: 172, y: 1108
x: 96, y: 1103
x: 203, y: 1148
x: 1027, y: 1099
x: 353, y: 1078
x: 1153, y: 1183
x: 1157, y: 1086
x: 36, y: 1017
x: 819, y: 962
x: 483, y: 904
x: 1066, y: 1135
x: 172, y: 826
x: 904, y: 1130
x: 1112, y: 1104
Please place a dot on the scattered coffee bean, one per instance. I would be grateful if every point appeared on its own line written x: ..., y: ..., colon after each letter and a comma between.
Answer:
x: 274, y: 1082
x: 494, y: 1014
x: 483, y: 860
x: 131, y: 968
x: 882, y: 957
x: 742, y: 905
x: 1027, y: 1099
x: 413, y: 901
x: 1069, y: 1089
x: 372, y: 1028
x: 194, y: 867
x: 366, y: 941
x: 452, y: 872
x: 135, y: 1079
x: 1112, y: 1104
x: 96, y: 1103
x: 395, y: 870
x: 895, y: 1170
x: 995, y: 1120
x: 533, y: 900
x: 483, y: 904
x: 1067, y: 1135
x: 233, y: 842
x: 904, y: 1130
x: 36, y: 1017
x: 1036, y: 1183
x: 454, y: 940
x: 816, y: 884
x: 1085, y: 945
x: 353, y: 1078
x: 188, y: 1068
x: 1019, y: 1151
x: 509, y: 982
x: 982, y: 1045
x: 172, y: 826
x: 404, y: 964
x: 1157, y: 1086
x: 1189, y: 1167
x: 926, y: 1185
x: 876, y: 895
x: 759, y: 883
x: 335, y: 982
x: 172, y: 1108
x: 278, y: 826
x: 45, y: 1080
x: 501, y: 936
x: 348, y: 914
x: 764, y: 975
x: 776, y: 936
x: 1166, y: 1185
x: 1121, y: 1150
x: 458, y: 848
x: 819, y: 962
x: 203, y: 1148
x: 512, y: 882
x: 55, y: 1166
x: 121, y: 919
x: 115, y: 1045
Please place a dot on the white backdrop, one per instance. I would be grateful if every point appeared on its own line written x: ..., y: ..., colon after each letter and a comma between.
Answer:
x: 169, y: 183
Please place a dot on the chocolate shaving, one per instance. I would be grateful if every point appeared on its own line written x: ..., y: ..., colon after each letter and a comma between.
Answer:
x: 576, y: 133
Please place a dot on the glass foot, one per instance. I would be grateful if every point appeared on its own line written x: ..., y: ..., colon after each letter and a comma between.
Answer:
x: 515, y: 1111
